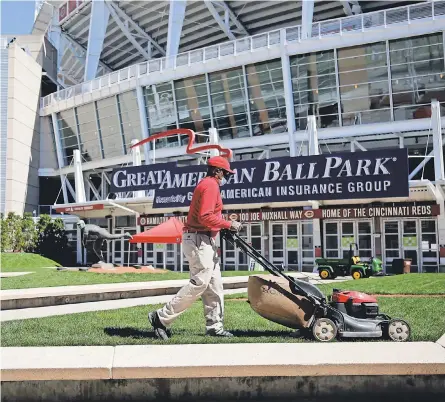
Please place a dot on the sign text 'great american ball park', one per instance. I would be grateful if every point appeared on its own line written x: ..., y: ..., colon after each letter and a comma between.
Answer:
x: 351, y: 175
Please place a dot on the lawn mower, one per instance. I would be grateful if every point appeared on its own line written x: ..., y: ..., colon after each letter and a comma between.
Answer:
x: 302, y: 306
x: 330, y: 268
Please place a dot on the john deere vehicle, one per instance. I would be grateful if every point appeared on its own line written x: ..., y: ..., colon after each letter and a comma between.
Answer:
x: 330, y: 268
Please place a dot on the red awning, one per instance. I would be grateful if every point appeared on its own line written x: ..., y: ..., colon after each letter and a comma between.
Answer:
x: 167, y: 232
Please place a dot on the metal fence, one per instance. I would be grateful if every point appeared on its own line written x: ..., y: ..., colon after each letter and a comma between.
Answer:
x: 340, y: 26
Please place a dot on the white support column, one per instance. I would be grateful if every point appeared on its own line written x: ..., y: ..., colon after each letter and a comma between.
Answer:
x: 59, y: 154
x: 437, y: 141
x: 78, y: 177
x: 213, y: 139
x: 136, y: 158
x: 79, y: 247
x: 313, y: 149
x: 288, y: 95
x: 439, y: 174
x: 312, y: 135
x: 306, y: 19
x: 440, y: 196
x: 175, y: 21
x: 96, y: 35
x: 144, y: 122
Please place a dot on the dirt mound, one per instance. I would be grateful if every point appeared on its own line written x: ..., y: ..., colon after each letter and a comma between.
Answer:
x: 129, y: 270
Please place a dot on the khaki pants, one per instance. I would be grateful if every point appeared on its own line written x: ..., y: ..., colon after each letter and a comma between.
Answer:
x: 205, y: 281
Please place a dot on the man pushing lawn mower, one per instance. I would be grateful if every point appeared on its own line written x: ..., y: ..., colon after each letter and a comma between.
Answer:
x: 204, y: 221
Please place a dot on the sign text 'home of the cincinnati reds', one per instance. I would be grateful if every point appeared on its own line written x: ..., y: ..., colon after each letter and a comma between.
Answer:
x: 352, y: 175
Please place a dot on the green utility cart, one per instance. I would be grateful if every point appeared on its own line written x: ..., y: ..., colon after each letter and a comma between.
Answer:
x: 330, y: 268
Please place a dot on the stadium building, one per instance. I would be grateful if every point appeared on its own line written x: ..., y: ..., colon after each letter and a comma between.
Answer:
x: 267, y: 79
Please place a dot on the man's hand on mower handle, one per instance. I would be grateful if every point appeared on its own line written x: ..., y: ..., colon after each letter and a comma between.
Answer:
x: 236, y: 227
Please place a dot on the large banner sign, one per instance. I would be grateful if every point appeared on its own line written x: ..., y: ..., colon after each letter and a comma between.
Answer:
x: 351, y: 175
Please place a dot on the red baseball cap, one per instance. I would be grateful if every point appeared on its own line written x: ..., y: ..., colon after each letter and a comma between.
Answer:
x: 220, y: 162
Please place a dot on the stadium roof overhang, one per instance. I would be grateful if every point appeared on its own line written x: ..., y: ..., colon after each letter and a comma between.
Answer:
x: 138, y: 30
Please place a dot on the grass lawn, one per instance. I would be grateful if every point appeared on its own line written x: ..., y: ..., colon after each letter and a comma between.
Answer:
x: 410, y: 284
x: 129, y: 326
x: 21, y: 262
x: 51, y: 277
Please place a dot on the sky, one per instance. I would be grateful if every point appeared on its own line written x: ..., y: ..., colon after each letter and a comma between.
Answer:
x: 17, y: 17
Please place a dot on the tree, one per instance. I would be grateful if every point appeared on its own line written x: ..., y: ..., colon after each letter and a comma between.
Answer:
x: 52, y: 241
x: 6, y: 243
x: 29, y: 233
x: 11, y: 233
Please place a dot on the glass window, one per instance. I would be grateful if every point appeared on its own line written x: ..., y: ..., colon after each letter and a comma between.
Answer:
x: 229, y: 103
x: 314, y: 89
x: 417, y: 75
x: 277, y: 230
x: 347, y: 228
x: 192, y: 105
x: 428, y: 226
x: 160, y: 105
x: 130, y: 120
x: 409, y: 227
x: 68, y: 136
x: 331, y: 228
x: 109, y: 126
x: 266, y: 97
x: 306, y: 228
x: 332, y: 242
x: 88, y: 132
x: 363, y: 80
x: 391, y: 227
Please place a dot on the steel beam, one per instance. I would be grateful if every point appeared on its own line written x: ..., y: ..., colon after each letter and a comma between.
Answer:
x: 100, y: 14
x: 83, y: 51
x: 59, y: 153
x: 175, y: 21
x: 226, y: 20
x: 306, y: 19
x: 143, y: 118
x: 351, y: 7
x: 126, y: 24
x: 421, y: 165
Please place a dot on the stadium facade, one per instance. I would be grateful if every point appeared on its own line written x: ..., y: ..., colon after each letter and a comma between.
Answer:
x: 265, y: 79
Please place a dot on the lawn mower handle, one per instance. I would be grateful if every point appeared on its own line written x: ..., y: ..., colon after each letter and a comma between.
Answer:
x: 235, y: 239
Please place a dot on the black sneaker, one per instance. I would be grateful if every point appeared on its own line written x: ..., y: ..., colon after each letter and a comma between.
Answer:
x: 220, y: 333
x: 161, y: 330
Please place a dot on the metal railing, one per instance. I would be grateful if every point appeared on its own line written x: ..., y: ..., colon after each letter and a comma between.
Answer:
x: 339, y: 26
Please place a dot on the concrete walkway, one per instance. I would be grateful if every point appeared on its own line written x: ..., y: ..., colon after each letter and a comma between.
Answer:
x: 221, y: 360
x: 13, y: 274
x: 39, y: 312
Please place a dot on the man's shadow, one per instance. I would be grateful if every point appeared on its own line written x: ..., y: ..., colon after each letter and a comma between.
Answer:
x: 135, y: 333
x: 128, y: 332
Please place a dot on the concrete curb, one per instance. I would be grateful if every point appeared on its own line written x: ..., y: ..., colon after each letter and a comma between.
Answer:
x: 54, y: 296
x: 221, y: 360
x: 43, y: 297
x: 441, y: 341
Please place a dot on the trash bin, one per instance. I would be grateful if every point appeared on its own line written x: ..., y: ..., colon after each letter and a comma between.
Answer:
x: 407, y: 265
x: 397, y: 266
